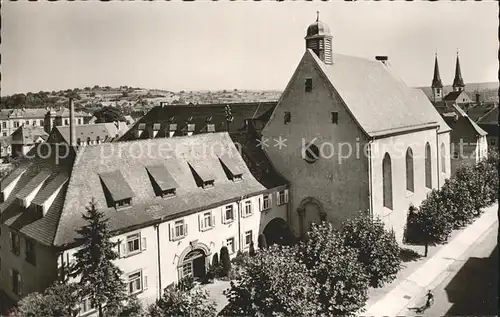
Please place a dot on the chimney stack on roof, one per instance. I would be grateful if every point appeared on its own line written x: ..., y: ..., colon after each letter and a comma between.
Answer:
x: 383, y: 59
x: 72, y: 128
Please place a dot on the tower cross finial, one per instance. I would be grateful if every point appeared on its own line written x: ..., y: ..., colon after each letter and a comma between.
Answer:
x: 317, y: 15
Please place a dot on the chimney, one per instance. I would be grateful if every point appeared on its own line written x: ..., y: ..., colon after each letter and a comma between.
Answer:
x: 72, y: 129
x: 478, y: 97
x: 383, y: 59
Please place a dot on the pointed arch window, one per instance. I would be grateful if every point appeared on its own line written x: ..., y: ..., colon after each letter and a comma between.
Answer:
x: 443, y: 158
x: 428, y: 166
x: 387, y: 180
x: 409, y: 170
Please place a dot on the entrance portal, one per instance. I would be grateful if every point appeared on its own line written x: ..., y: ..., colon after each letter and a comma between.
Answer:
x: 310, y: 211
x: 194, y: 265
x: 277, y: 232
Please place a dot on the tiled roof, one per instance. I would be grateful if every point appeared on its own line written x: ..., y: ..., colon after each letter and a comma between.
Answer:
x: 132, y: 160
x: 29, y: 113
x: 490, y: 117
x: 180, y: 114
x: 36, y: 181
x: 491, y: 128
x: 452, y: 96
x: 105, y: 131
x: 377, y: 98
x: 57, y: 181
x: 27, y: 134
x: 476, y: 127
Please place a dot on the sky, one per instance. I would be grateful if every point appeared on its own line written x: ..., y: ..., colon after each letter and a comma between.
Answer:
x: 225, y: 45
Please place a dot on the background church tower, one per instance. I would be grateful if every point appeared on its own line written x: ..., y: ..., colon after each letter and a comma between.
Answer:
x: 458, y: 82
x: 437, y: 84
x: 319, y: 40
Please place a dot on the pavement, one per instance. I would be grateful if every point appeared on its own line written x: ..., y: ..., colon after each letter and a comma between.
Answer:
x: 472, y: 287
x: 434, y: 270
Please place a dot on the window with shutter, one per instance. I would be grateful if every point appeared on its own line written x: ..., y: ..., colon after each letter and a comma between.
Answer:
x: 143, y: 244
x: 144, y: 279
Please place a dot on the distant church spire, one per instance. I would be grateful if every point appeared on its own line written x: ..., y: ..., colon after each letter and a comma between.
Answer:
x: 458, y: 82
x: 437, y: 84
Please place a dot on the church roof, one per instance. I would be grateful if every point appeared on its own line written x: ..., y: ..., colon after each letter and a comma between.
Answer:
x: 458, y: 80
x: 452, y: 96
x: 436, y: 81
x: 377, y: 98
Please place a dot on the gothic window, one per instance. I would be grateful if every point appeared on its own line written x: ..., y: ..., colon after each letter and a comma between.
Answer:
x: 387, y: 180
x: 428, y: 166
x: 409, y: 170
x: 443, y: 158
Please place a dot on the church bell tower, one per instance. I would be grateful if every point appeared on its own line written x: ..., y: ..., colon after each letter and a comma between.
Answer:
x: 437, y: 84
x: 319, y: 40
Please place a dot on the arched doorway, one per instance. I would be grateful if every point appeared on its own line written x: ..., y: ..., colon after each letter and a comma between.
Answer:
x: 277, y: 232
x: 193, y: 262
x: 310, y: 211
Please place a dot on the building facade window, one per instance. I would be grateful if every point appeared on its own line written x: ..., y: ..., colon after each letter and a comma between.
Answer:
x: 206, y: 220
x: 14, y: 243
x: 387, y: 181
x: 247, y: 239
x: 282, y: 197
x: 16, y: 282
x: 123, y: 203
x: 230, y: 245
x: 41, y: 123
x: 4, y: 125
x: 134, y: 243
x: 309, y: 84
x: 428, y: 166
x: 228, y: 214
x: 135, y: 283
x: 335, y: 117
x: 409, y: 170
x: 178, y: 230
x: 187, y: 269
x: 247, y: 211
x: 443, y: 158
x: 86, y: 306
x: 66, y: 122
x: 287, y: 117
x: 266, y: 202
x: 30, y: 251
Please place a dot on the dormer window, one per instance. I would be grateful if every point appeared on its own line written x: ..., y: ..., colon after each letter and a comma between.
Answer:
x: 231, y: 169
x: 156, y: 128
x: 140, y: 129
x: 202, y: 176
x: 123, y: 203
x: 116, y: 189
x: 309, y: 84
x: 163, y: 183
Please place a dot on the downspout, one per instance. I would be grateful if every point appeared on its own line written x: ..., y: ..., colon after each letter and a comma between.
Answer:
x: 438, y: 155
x: 159, y: 262
x: 370, y: 186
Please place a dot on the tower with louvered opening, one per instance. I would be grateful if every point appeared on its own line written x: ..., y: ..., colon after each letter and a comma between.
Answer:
x: 319, y: 40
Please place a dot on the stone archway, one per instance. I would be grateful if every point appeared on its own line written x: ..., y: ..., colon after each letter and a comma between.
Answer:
x: 194, y: 261
x: 278, y: 232
x: 310, y: 211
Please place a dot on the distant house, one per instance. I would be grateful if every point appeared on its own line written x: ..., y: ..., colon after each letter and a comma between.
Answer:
x: 468, y: 139
x: 89, y: 134
x: 25, y: 138
x: 5, y: 146
x: 489, y: 123
x: 179, y: 120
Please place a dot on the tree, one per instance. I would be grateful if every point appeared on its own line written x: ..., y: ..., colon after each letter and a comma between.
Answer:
x: 341, y: 282
x: 133, y: 308
x: 262, y: 242
x: 251, y: 250
x: 175, y: 302
x: 456, y: 201
x: 377, y: 248
x: 59, y: 299
x: 99, y: 277
x: 432, y: 223
x: 225, y: 261
x: 272, y: 283
x: 108, y: 114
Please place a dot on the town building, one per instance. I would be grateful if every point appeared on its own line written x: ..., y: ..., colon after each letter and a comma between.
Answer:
x: 5, y: 147
x: 489, y: 123
x: 12, y: 119
x: 25, y: 138
x: 173, y: 203
x: 468, y: 139
x: 357, y: 139
x: 179, y: 120
x: 89, y: 134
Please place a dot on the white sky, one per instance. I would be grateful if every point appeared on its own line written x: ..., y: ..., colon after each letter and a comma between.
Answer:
x: 227, y: 45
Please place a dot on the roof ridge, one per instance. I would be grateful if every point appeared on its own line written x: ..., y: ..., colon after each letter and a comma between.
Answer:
x: 487, y: 113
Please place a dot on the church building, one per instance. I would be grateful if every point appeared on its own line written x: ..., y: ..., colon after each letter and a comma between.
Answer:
x: 357, y: 139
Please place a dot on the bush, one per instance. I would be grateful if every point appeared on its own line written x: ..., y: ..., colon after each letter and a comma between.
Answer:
x: 262, y: 242
x: 186, y: 283
x: 58, y: 300
x: 251, y: 250
x: 175, y: 302
x: 377, y: 248
x: 215, y: 259
x: 225, y: 261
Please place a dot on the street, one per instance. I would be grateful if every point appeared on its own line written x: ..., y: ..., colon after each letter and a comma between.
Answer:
x: 472, y: 287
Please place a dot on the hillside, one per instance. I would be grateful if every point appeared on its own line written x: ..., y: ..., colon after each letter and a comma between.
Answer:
x: 128, y: 99
x: 487, y: 91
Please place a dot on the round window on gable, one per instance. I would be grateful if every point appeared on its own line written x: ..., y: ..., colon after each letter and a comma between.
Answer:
x: 310, y: 153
